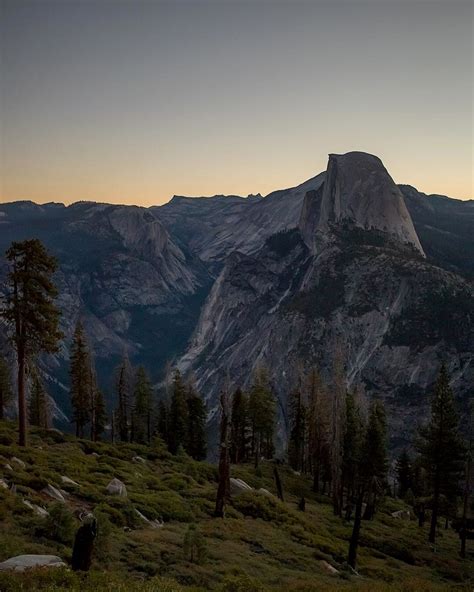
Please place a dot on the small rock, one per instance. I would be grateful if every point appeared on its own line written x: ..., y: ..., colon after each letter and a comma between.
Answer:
x: 18, y: 462
x: 139, y: 459
x: 238, y: 486
x: 38, y: 510
x: 8, y: 467
x: 95, y: 454
x: 68, y: 481
x: 54, y: 493
x: 3, y: 484
x: 402, y: 514
x: 328, y: 568
x: 22, y: 562
x: 151, y: 523
x: 116, y: 487
x: 264, y: 491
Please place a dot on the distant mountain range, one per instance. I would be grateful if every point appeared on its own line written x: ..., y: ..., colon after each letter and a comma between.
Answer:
x: 220, y: 285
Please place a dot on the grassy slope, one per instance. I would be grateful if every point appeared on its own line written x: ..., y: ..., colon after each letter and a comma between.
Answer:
x: 281, y: 552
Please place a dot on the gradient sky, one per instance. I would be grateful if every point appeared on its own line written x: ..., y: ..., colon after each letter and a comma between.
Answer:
x: 132, y: 102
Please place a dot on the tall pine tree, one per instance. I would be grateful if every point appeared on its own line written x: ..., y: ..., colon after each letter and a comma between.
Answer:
x: 261, y: 413
x: 196, y: 442
x: 178, y: 416
x: 80, y: 376
x: 142, y: 408
x: 123, y: 389
x: 30, y: 311
x: 38, y: 402
x: 6, y: 393
x: 239, y: 425
x: 404, y: 473
x: 441, y: 448
x: 297, y: 437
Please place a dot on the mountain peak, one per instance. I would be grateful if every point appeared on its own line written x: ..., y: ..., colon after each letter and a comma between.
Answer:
x: 359, y: 191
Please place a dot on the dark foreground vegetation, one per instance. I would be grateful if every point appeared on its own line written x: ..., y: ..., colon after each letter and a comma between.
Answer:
x: 262, y: 544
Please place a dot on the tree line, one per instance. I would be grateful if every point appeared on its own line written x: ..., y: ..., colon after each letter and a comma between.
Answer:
x: 334, y: 435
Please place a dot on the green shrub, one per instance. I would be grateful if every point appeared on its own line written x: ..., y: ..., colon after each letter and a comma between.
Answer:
x: 261, y: 506
x: 59, y: 525
x: 241, y: 584
x: 194, y: 545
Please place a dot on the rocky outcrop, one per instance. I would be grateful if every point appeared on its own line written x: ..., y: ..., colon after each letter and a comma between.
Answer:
x: 348, y: 279
x: 24, y: 562
x: 284, y: 277
x: 359, y: 192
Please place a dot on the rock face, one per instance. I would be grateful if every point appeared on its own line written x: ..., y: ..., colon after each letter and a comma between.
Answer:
x: 359, y: 192
x: 122, y: 275
x: 345, y: 279
x: 226, y: 283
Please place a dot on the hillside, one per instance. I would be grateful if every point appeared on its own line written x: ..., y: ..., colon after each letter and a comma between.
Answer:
x: 262, y: 544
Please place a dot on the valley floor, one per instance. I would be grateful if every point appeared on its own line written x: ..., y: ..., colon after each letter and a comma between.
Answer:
x: 261, y: 545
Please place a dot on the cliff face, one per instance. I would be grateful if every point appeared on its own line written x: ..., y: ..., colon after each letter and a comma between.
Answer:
x: 119, y: 271
x: 345, y: 260
x: 347, y: 278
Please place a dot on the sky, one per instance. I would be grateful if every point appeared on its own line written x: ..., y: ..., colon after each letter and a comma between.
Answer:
x: 135, y: 101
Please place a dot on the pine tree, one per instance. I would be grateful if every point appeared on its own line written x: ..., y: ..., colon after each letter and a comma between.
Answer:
x: 31, y: 311
x: 38, y: 402
x: 80, y: 375
x: 196, y: 441
x: 336, y: 430
x: 441, y: 448
x: 223, y: 488
x: 351, y: 444
x: 239, y: 421
x: 297, y: 437
x: 261, y: 412
x: 163, y: 421
x: 178, y: 414
x: 317, y: 426
x: 404, y: 473
x: 99, y: 414
x: 124, y: 396
x: 375, y: 464
x: 6, y: 393
x: 142, y: 408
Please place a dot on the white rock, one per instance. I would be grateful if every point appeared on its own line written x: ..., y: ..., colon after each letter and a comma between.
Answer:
x: 139, y: 459
x: 238, y: 486
x: 402, y: 514
x: 54, y: 493
x: 151, y: 523
x: 18, y: 462
x: 38, y: 510
x: 328, y: 568
x: 8, y: 467
x: 3, y: 484
x: 265, y: 492
x: 22, y: 562
x: 68, y: 481
x: 116, y: 487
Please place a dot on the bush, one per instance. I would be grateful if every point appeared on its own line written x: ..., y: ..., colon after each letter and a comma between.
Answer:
x: 194, y: 545
x: 241, y: 584
x: 59, y: 525
x: 261, y: 506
